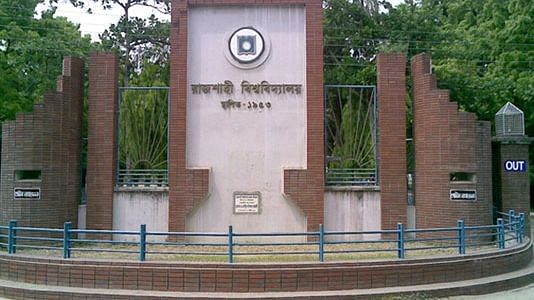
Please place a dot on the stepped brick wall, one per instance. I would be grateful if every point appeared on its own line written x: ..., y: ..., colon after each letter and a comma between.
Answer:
x: 447, y: 141
x: 48, y: 139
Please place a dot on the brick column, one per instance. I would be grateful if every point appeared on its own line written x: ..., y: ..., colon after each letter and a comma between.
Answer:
x: 187, y: 187
x: 513, y: 186
x: 306, y: 187
x: 102, y: 152
x: 391, y: 70
x: 71, y: 84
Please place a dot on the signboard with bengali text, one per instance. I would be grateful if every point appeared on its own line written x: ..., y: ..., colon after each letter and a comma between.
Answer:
x: 247, y: 203
x: 27, y: 193
x: 463, y: 195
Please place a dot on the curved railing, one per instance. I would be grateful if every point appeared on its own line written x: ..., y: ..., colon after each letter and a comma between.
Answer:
x: 226, y: 246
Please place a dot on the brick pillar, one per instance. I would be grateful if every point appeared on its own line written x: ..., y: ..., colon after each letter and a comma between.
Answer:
x: 71, y: 84
x: 102, y: 152
x: 513, y: 185
x: 187, y: 187
x: 306, y: 187
x: 391, y: 70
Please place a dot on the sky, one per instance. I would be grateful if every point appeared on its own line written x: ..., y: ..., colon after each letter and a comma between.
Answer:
x: 100, y: 19
x: 95, y: 23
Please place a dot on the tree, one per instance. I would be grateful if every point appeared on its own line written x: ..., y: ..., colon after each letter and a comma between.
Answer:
x: 144, y: 121
x: 497, y: 48
x: 137, y: 40
x: 352, y: 35
x: 482, y: 51
x: 31, y: 53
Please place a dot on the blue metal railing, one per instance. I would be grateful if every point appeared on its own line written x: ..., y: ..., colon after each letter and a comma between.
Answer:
x: 231, y: 244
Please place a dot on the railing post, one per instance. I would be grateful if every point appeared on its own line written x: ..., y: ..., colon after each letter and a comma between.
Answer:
x: 461, y: 237
x: 230, y: 244
x: 521, y: 227
x: 12, y: 237
x: 142, y: 242
x: 400, y: 240
x: 321, y: 243
x: 66, y: 239
x: 517, y: 228
x: 511, y: 219
x: 500, y: 233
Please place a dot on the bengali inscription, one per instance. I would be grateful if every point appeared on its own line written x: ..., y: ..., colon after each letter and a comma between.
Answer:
x: 247, y: 203
x: 226, y: 87
x: 247, y: 88
x: 264, y: 87
x: 231, y: 104
x: 27, y: 193
x: 268, y: 88
x: 466, y: 195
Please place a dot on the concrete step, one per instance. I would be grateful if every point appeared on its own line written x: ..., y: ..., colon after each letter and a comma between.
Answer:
x: 507, y: 281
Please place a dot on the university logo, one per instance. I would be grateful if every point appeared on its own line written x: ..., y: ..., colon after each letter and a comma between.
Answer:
x: 246, y: 45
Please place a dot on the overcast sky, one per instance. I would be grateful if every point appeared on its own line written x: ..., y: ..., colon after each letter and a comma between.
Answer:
x: 100, y: 19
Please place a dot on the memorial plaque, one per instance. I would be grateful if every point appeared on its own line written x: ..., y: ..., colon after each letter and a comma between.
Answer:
x: 247, y: 203
x: 464, y: 195
x: 27, y: 193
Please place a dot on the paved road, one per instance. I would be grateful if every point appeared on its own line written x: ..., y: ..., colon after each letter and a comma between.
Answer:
x: 524, y: 293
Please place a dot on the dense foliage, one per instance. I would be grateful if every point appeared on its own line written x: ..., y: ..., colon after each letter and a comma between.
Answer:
x: 31, y: 53
x: 482, y: 51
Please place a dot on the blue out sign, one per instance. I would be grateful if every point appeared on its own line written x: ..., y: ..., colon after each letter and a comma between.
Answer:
x: 515, y: 166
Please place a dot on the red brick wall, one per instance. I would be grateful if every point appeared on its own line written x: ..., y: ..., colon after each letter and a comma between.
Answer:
x: 184, y: 277
x: 188, y: 187
x: 391, y: 70
x: 46, y: 139
x: 102, y: 146
x: 447, y: 140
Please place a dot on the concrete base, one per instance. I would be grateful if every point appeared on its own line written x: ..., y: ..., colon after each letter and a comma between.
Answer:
x: 82, y: 219
x: 133, y: 207
x: 106, y: 280
x: 352, y: 209
x: 411, y: 213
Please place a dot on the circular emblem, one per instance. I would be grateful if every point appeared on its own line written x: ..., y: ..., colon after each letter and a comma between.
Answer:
x: 246, y: 45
